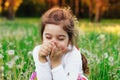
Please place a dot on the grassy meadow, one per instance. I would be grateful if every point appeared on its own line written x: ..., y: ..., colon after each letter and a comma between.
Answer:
x: 99, y: 42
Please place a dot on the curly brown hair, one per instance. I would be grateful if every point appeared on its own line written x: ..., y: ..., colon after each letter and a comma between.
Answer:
x: 64, y: 18
x: 85, y: 65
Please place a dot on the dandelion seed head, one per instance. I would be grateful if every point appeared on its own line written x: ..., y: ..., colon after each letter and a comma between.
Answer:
x: 2, y: 68
x: 95, y: 56
x: 86, y: 51
x: 98, y: 61
x: 10, y: 43
x: 2, y: 74
x: 11, y: 52
x: 19, y: 66
x: 0, y: 45
x: 111, y: 59
x: 25, y: 62
x: 1, y: 56
x: 10, y: 64
x: 30, y: 53
x: 101, y: 37
x: 16, y: 58
x: 105, y: 55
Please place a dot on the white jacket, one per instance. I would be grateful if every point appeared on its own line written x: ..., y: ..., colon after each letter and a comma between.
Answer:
x: 69, y: 69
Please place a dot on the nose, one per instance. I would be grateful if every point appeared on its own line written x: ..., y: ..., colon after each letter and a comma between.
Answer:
x: 54, y: 40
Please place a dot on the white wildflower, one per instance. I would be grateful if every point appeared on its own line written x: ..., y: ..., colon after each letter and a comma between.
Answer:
x: 0, y: 45
x: 2, y: 74
x: 86, y: 51
x: 2, y: 68
x: 11, y: 52
x: 98, y: 61
x: 10, y: 43
x: 16, y: 58
x: 10, y: 64
x: 101, y: 37
x: 105, y: 55
x: 30, y: 53
x: 1, y: 56
x: 25, y: 62
x: 19, y: 66
x: 111, y: 60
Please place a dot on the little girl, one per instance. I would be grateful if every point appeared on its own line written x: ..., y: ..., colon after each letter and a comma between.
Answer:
x: 57, y: 58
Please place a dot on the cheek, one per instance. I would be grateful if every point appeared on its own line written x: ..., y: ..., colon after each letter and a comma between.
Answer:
x: 45, y: 40
x: 63, y: 46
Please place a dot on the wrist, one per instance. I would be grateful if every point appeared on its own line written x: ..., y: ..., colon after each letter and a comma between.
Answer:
x: 42, y: 59
x: 55, y: 64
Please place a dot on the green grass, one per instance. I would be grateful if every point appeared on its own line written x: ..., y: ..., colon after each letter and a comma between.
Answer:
x: 101, y: 47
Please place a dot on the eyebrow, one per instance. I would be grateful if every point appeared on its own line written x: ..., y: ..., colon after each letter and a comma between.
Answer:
x: 61, y: 35
x: 47, y: 34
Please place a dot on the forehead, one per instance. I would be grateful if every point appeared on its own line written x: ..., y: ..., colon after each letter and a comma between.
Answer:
x: 54, y: 29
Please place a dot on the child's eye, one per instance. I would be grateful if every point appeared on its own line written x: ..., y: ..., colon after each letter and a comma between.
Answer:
x: 61, y: 39
x: 48, y: 37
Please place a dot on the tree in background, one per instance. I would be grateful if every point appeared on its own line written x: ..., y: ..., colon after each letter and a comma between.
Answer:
x: 77, y: 7
x: 0, y: 6
x: 32, y: 8
x: 96, y: 8
x: 9, y: 8
x: 114, y: 9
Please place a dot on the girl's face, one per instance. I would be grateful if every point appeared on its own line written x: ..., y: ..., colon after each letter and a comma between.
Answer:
x: 56, y: 34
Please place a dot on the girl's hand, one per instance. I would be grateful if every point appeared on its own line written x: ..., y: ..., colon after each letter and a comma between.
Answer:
x: 44, y: 51
x: 56, y: 55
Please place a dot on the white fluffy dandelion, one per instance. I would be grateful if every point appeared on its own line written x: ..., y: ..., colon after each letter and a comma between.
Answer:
x: 2, y: 68
x: 86, y: 51
x: 19, y: 66
x: 1, y: 56
x: 111, y: 60
x: 11, y: 52
x: 12, y: 61
x: 2, y: 74
x: 0, y: 45
x: 98, y: 61
x: 101, y: 37
x: 105, y: 55
x: 30, y: 53
x: 10, y: 64
x: 16, y: 58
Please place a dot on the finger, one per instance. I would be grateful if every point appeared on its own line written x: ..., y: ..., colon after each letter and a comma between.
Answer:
x: 43, y: 52
x: 52, y: 52
x: 57, y: 45
x: 60, y: 53
x: 46, y: 48
x: 50, y: 46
